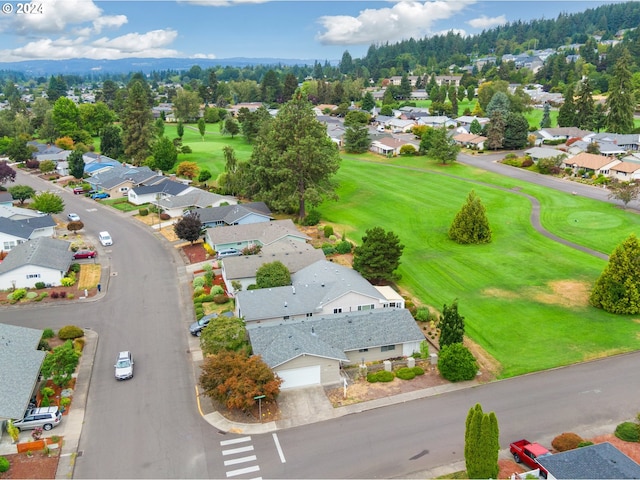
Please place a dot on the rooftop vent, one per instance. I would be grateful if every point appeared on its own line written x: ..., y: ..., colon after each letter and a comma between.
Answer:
x: 285, y: 304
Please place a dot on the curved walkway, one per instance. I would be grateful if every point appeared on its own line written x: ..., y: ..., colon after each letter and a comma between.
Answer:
x: 535, y: 206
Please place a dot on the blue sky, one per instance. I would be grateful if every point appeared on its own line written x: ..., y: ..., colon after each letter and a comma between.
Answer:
x: 315, y: 30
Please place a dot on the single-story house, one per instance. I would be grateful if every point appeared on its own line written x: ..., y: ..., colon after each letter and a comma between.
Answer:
x: 6, y: 199
x: 607, y: 149
x: 15, y: 232
x: 470, y: 140
x: 438, y: 121
x: 559, y: 134
x: 239, y: 214
x: 397, y: 125
x: 18, y: 213
x: 627, y: 142
x: 311, y: 352
x: 600, y: 461
x: 321, y: 288
x: 118, y: 180
x: 43, y: 259
x: 20, y: 363
x: 162, y: 189
x: 593, y: 164
x: 388, y: 146
x: 626, y: 171
x: 176, y: 205
x: 467, y: 120
x: 538, y: 153
x: 293, y: 255
x: 264, y: 233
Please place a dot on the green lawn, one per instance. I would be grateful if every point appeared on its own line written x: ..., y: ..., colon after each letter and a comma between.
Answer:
x: 515, y: 293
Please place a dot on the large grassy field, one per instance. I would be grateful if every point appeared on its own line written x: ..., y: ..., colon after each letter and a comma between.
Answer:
x: 524, y: 296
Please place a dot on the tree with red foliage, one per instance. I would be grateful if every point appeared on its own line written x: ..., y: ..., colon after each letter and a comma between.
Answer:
x: 7, y: 174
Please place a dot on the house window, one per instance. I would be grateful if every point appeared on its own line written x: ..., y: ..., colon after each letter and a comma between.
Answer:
x: 286, y: 317
x: 9, y: 245
x: 124, y: 189
x: 363, y: 350
x: 337, y: 310
x: 392, y: 304
x: 366, y: 307
x: 387, y: 348
x: 33, y: 275
x: 309, y: 315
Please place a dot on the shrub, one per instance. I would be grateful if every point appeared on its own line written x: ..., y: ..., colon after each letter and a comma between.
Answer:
x: 372, y: 378
x: 566, y: 441
x: 628, y: 431
x: 328, y: 249
x: 70, y: 332
x: 251, y: 250
x: 208, y: 248
x: 31, y: 295
x: 344, y: 247
x: 198, y: 291
x: 384, y: 376
x: 586, y: 443
x: 312, y: 218
x: 75, y: 267
x: 527, y: 162
x: 510, y: 156
x: 405, y: 373
x: 70, y: 296
x: 48, y: 333
x: 457, y: 363
x: 63, y: 294
x: 67, y: 282
x: 78, y: 344
x: 198, y: 282
x: 40, y: 285
x: 55, y: 295
x: 216, y: 290
x: 44, y: 345
x: 186, y: 149
x: 418, y: 371
x: 199, y: 310
x: 164, y: 216
x: 4, y: 464
x: 41, y: 296
x: 422, y: 314
x: 18, y: 294
x: 220, y: 299
x: 65, y: 402
x: 328, y: 231
x: 143, y: 212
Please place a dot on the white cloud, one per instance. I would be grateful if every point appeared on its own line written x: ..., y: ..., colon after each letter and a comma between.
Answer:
x: 56, y: 17
x: 209, y: 56
x: 403, y: 20
x: 220, y: 3
x: 136, y: 42
x: 109, y: 21
x: 485, y: 22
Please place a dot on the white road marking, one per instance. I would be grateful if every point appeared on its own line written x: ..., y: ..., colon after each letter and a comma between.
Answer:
x: 242, y: 471
x: 235, y: 440
x: 235, y: 461
x: 233, y: 451
x: 280, y: 452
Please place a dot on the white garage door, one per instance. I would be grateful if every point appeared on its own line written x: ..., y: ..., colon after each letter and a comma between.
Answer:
x: 300, y: 377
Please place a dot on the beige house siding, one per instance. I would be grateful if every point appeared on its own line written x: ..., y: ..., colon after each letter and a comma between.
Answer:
x: 373, y: 354
x: 350, y: 303
x: 121, y: 190
x: 329, y: 368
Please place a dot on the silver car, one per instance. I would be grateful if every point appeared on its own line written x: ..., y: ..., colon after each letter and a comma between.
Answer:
x: 124, y: 366
x: 45, y: 417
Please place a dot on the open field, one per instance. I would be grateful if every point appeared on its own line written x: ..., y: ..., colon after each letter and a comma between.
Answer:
x: 524, y: 297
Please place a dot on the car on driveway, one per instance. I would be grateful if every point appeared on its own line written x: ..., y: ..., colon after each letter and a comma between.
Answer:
x: 196, y: 327
x: 73, y: 217
x: 100, y: 195
x: 78, y: 190
x: 84, y: 253
x: 124, y: 366
x: 45, y: 417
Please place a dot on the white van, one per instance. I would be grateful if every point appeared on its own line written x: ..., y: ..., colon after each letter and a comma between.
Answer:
x: 105, y: 239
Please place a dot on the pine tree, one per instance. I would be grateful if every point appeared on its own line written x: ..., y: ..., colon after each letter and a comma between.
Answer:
x: 471, y: 225
x: 617, y: 290
x: 451, y: 325
x: 567, y: 112
x: 546, y: 116
x: 495, y: 131
x: 379, y: 255
x: 137, y: 123
x: 585, y: 106
x: 621, y: 102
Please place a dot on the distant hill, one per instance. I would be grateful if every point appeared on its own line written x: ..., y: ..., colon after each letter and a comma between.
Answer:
x: 84, y: 66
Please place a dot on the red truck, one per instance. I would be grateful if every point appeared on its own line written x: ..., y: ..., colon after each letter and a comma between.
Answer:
x: 527, y: 452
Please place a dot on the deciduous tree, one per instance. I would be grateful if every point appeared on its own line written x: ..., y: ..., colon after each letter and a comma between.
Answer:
x: 356, y: 139
x: 188, y: 170
x: 111, y: 142
x: 456, y: 363
x: 273, y: 274
x: 189, y: 227
x: 451, y: 325
x: 617, y: 290
x: 18, y: 151
x: 443, y: 148
x: 624, y: 191
x: 48, y: 202
x: 21, y: 193
x: 60, y: 364
x: 165, y: 154
x: 235, y: 380
x: 471, y: 225
x: 76, y: 164
x: 186, y: 105
x: 378, y: 257
x: 224, y: 334
x: 7, y: 174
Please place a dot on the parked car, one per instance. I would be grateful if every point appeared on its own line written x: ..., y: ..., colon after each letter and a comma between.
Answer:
x: 105, y: 239
x: 84, y: 253
x: 196, y: 327
x: 73, y: 217
x: 228, y: 252
x: 78, y: 190
x: 124, y: 366
x: 529, y: 453
x: 45, y: 417
x: 100, y: 195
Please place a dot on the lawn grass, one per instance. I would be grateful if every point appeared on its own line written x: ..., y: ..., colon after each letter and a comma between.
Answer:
x: 122, y: 204
x: 524, y: 296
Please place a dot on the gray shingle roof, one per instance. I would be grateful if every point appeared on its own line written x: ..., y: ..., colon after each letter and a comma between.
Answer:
x: 265, y: 232
x: 231, y: 214
x: 593, y: 462
x: 294, y: 256
x: 195, y: 198
x: 331, y: 336
x: 24, y: 228
x: 42, y: 252
x: 20, y: 363
x: 165, y: 186
x: 314, y: 286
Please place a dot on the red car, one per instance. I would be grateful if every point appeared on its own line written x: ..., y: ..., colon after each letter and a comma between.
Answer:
x: 84, y: 254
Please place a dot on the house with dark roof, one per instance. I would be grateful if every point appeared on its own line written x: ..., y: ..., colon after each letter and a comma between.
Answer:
x: 6, y: 199
x: 311, y: 351
x: 118, y: 180
x: 322, y: 288
x: 149, y: 193
x: 20, y: 363
x: 261, y: 234
x: 45, y: 260
x: 15, y: 232
x: 176, y: 205
x: 600, y: 461
x: 239, y: 214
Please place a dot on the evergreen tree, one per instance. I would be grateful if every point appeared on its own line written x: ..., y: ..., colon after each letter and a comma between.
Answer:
x: 379, y: 255
x: 471, y: 92
x: 495, y: 131
x: 471, y: 225
x: 165, y: 154
x: 290, y: 86
x: 111, y: 142
x: 451, y: 325
x: 482, y: 444
x: 405, y: 87
x: 443, y: 148
x: 76, y: 164
x: 368, y: 102
x: 546, y: 116
x: 356, y: 139
x: 617, y: 290
x: 475, y: 127
x: 516, y: 131
x: 137, y: 123
x: 567, y: 111
x: 499, y: 103
x: 202, y: 127
x: 453, y: 98
x: 621, y: 102
x: 585, y: 106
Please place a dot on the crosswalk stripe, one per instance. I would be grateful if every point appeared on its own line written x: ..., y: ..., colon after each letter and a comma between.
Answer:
x: 235, y: 440
x: 235, y: 461
x: 242, y: 471
x: 233, y: 451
